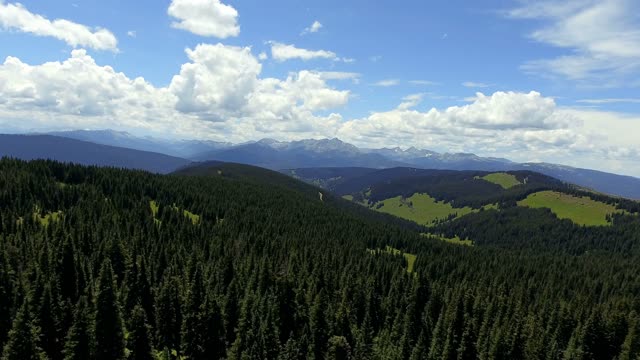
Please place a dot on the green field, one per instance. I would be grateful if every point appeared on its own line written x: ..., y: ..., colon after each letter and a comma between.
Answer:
x: 420, y: 208
x: 580, y: 210
x: 505, y: 180
x: 456, y: 240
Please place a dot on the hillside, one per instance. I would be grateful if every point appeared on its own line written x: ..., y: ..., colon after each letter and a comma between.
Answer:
x: 209, y: 267
x: 324, y: 153
x: 28, y: 147
x: 491, y: 208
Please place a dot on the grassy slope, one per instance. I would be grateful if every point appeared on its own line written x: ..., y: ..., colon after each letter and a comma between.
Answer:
x: 580, y: 210
x: 47, y: 218
x: 424, y: 209
x: 507, y: 181
x: 155, y: 208
x: 411, y: 258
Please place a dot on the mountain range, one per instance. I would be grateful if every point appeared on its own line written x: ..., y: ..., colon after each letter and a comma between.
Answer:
x: 280, y: 155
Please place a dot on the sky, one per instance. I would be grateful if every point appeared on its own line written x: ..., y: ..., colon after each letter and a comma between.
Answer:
x: 552, y: 81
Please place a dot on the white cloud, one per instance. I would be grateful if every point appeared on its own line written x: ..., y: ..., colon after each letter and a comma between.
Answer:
x: 410, y: 101
x: 340, y: 75
x: 218, y: 94
x: 216, y: 82
x: 205, y: 18
x: 131, y: 33
x: 17, y: 17
x: 314, y: 28
x: 520, y: 126
x: 387, y: 83
x: 423, y: 82
x: 471, y: 84
x: 602, y: 38
x: 283, y: 52
x: 263, y: 56
x: 610, y: 101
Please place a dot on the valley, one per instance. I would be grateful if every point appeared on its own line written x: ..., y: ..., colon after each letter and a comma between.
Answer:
x: 246, y: 241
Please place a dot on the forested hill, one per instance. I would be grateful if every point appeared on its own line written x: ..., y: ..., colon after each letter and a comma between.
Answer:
x: 113, y: 264
x: 30, y: 147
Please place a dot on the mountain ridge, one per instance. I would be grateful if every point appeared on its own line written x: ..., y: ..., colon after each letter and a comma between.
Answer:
x: 319, y: 153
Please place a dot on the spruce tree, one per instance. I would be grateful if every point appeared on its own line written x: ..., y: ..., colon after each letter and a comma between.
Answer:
x: 338, y: 348
x: 631, y: 345
x: 78, y: 342
x: 47, y: 317
x: 109, y: 334
x: 139, y: 340
x: 168, y: 316
x: 22, y: 343
x: 192, y: 337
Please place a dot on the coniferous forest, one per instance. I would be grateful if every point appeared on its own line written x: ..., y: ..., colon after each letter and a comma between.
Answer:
x: 99, y: 263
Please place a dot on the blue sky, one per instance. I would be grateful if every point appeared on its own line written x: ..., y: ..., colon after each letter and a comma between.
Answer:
x: 559, y: 80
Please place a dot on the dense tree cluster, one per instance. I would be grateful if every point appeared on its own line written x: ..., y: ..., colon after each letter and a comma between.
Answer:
x: 89, y: 270
x: 462, y: 188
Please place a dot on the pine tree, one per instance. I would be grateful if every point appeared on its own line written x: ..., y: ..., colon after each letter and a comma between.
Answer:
x: 23, y: 339
x: 168, y: 316
x: 192, y: 337
x: 47, y: 318
x: 78, y: 342
x: 68, y: 273
x: 139, y: 340
x: 109, y: 335
x: 631, y: 346
x: 338, y: 349
x: 6, y: 297
x: 290, y: 350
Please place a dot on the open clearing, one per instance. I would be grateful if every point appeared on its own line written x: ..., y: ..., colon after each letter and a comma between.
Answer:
x: 580, y: 210
x: 48, y: 218
x: 195, y: 219
x: 456, y: 240
x: 507, y: 181
x: 411, y: 258
x: 420, y: 208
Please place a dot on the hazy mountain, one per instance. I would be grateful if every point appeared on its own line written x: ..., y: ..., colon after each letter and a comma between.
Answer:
x: 277, y: 155
x: 29, y: 147
x: 179, y: 148
x: 620, y: 185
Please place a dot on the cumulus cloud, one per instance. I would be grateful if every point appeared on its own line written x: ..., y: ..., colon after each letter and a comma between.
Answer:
x: 17, y: 17
x: 217, y: 81
x: 205, y: 18
x: 508, y: 124
x: 283, y: 52
x: 314, y: 28
x: 218, y: 94
x: 602, y: 39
